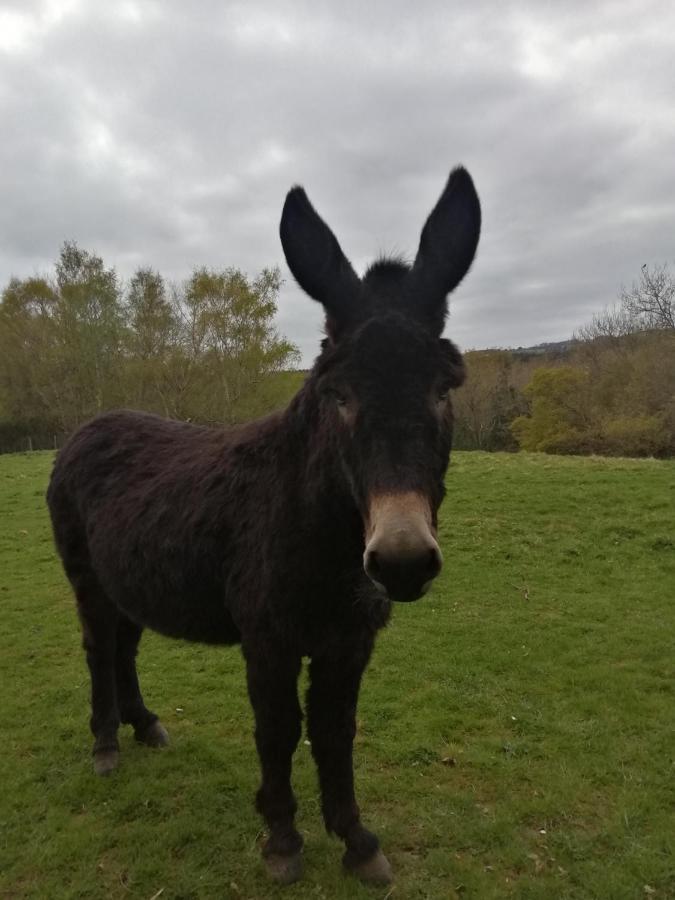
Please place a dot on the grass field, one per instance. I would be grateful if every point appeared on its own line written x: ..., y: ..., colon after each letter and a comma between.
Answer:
x: 516, y: 727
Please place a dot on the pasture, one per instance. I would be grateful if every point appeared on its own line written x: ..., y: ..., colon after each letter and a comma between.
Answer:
x: 516, y: 726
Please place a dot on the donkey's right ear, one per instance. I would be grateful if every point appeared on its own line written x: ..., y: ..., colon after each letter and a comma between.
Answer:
x: 317, y: 262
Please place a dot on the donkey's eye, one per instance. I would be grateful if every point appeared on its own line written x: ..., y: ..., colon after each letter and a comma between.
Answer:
x: 339, y: 398
x: 344, y: 404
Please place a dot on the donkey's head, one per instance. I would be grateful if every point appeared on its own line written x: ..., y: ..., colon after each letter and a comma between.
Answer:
x: 384, y: 375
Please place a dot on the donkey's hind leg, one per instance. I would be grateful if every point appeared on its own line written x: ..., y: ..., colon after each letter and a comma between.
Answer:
x: 133, y: 711
x: 99, y: 626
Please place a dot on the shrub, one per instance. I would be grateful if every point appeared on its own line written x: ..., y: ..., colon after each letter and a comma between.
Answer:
x: 635, y: 436
x: 559, y: 419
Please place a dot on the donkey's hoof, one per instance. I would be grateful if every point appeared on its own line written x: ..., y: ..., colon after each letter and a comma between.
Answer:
x: 106, y: 761
x: 284, y: 869
x: 155, y: 735
x: 375, y: 870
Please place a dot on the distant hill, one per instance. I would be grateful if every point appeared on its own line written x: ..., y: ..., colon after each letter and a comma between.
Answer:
x: 549, y: 348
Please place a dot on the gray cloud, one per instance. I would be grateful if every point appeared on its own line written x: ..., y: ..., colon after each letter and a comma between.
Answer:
x: 167, y: 134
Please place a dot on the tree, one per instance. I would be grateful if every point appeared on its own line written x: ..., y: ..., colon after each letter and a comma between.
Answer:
x: 152, y: 341
x: 649, y: 304
x: 78, y: 343
x: 636, y: 436
x: 228, y: 328
x: 612, y: 323
x: 560, y: 418
x: 90, y: 332
x: 29, y: 352
x: 487, y: 402
x: 617, y: 400
x: 651, y: 301
x: 149, y: 315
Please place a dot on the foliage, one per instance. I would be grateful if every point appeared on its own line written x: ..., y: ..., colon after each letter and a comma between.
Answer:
x: 81, y: 342
x: 488, y: 401
x: 515, y: 726
x: 613, y: 394
x: 618, y: 398
x: 229, y: 329
x: 207, y: 350
x: 636, y: 436
x: 611, y: 391
x: 558, y: 419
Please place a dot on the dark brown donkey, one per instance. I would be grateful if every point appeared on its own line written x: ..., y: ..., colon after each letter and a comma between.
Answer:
x: 290, y: 535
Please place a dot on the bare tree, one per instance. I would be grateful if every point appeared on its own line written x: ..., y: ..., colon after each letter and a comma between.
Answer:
x: 651, y: 301
x: 648, y: 305
x: 612, y: 322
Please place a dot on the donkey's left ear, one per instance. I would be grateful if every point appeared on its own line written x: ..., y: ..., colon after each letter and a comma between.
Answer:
x: 447, y: 248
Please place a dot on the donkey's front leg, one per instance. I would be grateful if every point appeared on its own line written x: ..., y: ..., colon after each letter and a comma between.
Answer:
x: 331, y: 723
x: 272, y: 676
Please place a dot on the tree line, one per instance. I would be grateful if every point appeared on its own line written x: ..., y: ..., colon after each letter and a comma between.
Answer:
x: 610, y: 390
x: 82, y: 341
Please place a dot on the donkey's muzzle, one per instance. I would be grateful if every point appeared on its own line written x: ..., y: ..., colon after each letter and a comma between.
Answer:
x: 402, y: 556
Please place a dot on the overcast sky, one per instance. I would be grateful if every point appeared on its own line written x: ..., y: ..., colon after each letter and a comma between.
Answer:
x: 167, y: 134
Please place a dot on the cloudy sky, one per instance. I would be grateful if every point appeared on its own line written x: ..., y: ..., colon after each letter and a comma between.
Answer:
x: 167, y: 134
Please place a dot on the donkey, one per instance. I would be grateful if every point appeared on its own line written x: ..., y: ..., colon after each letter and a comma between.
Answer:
x: 290, y: 535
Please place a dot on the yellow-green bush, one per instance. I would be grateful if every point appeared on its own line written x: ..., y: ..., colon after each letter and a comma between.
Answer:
x: 635, y: 436
x: 559, y: 420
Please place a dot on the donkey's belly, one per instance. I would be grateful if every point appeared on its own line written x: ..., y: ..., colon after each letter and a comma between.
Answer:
x: 205, y: 629
x: 190, y: 616
x: 162, y: 585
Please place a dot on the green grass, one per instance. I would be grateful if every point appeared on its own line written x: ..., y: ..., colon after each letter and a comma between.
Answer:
x: 516, y: 727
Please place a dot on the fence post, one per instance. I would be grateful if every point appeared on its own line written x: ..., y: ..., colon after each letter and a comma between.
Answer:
x: 30, y: 443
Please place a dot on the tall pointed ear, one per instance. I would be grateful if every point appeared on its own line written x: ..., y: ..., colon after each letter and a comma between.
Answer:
x: 447, y: 248
x: 317, y: 262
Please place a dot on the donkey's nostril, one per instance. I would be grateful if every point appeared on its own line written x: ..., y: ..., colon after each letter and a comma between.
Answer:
x: 373, y: 567
x: 434, y: 562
